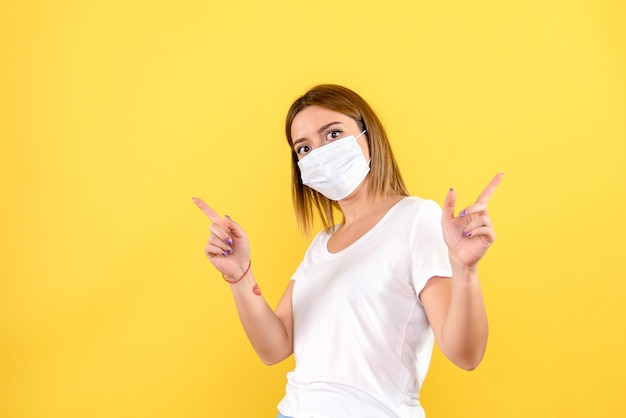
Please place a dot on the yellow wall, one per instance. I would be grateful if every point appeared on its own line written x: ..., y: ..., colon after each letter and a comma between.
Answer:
x: 113, y: 114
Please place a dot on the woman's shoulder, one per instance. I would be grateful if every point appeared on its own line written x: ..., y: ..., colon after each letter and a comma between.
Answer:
x: 415, y: 204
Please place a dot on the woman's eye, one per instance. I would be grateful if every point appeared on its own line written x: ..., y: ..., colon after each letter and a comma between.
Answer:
x: 301, y: 150
x: 333, y: 135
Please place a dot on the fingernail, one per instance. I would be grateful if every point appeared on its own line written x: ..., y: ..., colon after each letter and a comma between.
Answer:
x: 466, y: 234
x: 462, y: 213
x: 224, y: 253
x: 228, y: 241
x: 230, y: 251
x: 451, y: 189
x: 226, y: 216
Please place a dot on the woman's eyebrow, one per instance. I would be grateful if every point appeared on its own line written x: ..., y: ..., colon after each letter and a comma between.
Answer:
x: 328, y: 125
x: 320, y: 130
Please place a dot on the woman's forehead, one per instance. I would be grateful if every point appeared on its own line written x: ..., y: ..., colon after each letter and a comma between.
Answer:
x: 311, y: 119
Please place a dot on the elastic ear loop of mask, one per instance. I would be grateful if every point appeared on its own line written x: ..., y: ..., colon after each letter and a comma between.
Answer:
x: 369, y: 163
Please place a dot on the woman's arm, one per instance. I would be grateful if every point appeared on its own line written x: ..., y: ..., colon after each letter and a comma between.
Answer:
x: 269, y: 332
x: 456, y: 312
x: 455, y: 307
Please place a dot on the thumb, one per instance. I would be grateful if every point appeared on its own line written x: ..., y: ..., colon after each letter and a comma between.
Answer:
x: 236, y: 230
x: 448, y: 204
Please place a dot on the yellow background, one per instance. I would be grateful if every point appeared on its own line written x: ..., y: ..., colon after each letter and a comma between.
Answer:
x: 113, y: 114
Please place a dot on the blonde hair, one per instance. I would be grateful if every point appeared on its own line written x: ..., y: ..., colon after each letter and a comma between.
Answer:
x: 384, y: 177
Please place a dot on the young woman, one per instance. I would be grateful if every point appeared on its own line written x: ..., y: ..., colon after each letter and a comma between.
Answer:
x: 374, y: 289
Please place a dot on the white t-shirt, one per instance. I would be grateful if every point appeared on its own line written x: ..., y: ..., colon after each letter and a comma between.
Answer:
x: 362, y: 342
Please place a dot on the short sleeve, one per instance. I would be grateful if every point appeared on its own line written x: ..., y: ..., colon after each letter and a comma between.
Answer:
x: 429, y: 253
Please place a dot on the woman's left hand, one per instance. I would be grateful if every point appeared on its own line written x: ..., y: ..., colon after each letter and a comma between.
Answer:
x: 470, y: 234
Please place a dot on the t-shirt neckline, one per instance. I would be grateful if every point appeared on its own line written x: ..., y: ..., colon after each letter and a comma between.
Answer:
x: 378, y: 224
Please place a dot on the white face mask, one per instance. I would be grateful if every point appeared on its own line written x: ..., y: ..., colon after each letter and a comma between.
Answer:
x: 335, y: 170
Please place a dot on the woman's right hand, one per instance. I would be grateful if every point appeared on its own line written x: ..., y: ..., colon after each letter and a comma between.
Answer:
x: 227, y: 247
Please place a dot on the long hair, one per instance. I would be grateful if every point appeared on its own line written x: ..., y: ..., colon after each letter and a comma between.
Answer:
x: 384, y: 177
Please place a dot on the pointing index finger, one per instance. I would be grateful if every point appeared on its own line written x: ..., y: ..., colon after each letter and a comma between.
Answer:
x: 491, y: 187
x: 207, y: 210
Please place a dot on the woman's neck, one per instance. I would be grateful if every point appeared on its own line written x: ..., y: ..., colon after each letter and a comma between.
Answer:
x: 362, y: 204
